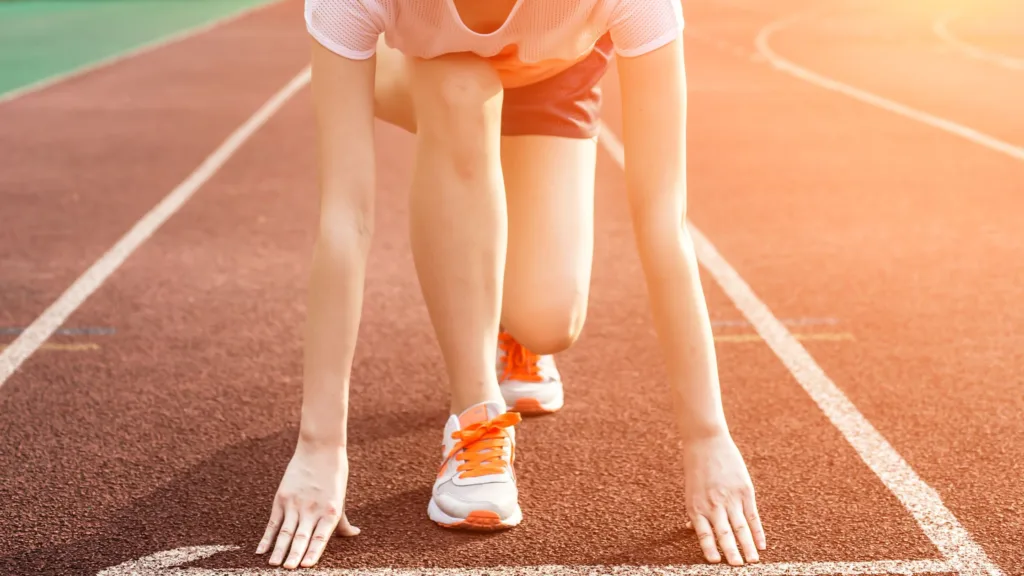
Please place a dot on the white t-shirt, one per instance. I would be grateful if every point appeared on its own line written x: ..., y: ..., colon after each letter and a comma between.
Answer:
x: 538, y: 39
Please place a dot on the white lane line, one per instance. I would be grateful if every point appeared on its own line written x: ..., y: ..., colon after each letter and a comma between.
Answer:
x: 920, y: 499
x: 941, y: 29
x: 130, y: 53
x: 166, y: 563
x: 53, y: 317
x: 787, y: 321
x: 821, y: 81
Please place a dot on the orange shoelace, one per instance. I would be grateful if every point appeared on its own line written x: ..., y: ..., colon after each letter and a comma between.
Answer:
x: 520, y: 364
x: 482, y: 446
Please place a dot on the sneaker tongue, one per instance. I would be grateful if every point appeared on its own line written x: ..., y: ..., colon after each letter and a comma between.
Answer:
x: 480, y: 413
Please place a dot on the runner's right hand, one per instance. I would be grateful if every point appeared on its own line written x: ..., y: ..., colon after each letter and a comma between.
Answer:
x: 309, y: 506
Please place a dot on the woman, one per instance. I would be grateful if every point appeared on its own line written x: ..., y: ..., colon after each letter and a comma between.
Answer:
x: 502, y: 97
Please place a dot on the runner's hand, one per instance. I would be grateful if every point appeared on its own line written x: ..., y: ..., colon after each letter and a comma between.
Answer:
x: 720, y: 501
x: 309, y: 506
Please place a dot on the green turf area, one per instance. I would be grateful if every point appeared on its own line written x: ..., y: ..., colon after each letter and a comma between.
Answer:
x: 44, y: 38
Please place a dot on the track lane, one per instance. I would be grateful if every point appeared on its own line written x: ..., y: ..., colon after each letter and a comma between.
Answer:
x: 184, y: 363
x: 86, y: 158
x: 890, y: 49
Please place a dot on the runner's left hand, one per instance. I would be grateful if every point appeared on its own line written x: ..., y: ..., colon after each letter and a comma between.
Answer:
x: 720, y: 501
x: 309, y: 506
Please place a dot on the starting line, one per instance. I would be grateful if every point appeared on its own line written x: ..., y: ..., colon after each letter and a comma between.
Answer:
x: 168, y: 563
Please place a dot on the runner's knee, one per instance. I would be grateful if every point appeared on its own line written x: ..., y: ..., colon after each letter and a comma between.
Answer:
x: 547, y: 321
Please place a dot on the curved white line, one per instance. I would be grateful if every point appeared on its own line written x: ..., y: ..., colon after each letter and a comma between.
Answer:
x: 793, y: 69
x: 941, y: 29
x: 923, y: 502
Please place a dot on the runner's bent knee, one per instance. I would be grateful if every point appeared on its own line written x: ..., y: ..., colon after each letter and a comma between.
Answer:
x: 545, y: 321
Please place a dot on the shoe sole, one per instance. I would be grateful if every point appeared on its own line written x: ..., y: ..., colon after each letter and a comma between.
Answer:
x: 534, y: 407
x: 477, y: 520
x: 522, y: 401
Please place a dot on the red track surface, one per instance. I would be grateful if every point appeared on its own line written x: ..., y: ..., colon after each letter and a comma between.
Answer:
x: 176, y: 430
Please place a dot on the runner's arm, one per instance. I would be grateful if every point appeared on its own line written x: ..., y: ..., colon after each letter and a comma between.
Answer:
x: 344, y: 104
x: 719, y: 492
x: 654, y: 105
x: 310, y: 502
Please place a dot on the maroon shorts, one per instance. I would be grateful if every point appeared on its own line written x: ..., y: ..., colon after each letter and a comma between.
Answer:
x: 567, y: 104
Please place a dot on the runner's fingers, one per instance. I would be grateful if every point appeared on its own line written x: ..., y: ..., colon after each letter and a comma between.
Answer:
x: 706, y: 537
x: 754, y: 521
x: 742, y: 532
x: 276, y: 515
x: 345, y: 528
x: 321, y: 535
x: 301, y: 541
x: 724, y: 534
x: 284, y: 535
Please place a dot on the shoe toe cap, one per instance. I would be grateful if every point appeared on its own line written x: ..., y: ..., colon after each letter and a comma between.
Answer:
x: 459, y: 501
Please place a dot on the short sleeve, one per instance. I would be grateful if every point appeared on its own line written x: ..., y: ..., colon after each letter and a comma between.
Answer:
x: 641, y: 26
x: 348, y: 28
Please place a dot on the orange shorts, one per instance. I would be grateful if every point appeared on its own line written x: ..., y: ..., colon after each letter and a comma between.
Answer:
x: 568, y: 104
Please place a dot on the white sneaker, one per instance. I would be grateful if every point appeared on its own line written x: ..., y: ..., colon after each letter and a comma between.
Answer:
x: 530, y: 383
x: 476, y: 485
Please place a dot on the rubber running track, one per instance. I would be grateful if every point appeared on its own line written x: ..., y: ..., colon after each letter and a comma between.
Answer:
x: 165, y: 411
